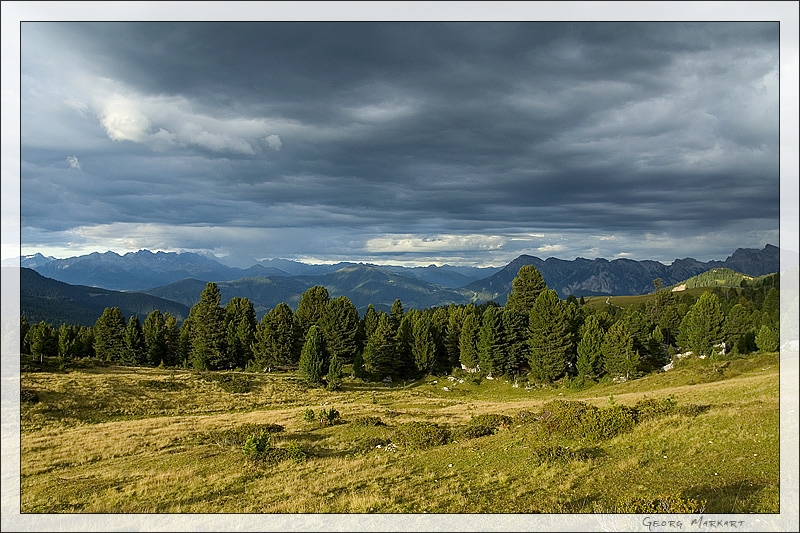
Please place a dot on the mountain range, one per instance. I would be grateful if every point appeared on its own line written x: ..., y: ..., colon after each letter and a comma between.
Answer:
x: 269, y: 283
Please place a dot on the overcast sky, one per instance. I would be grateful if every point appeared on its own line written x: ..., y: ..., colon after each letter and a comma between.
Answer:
x: 403, y: 143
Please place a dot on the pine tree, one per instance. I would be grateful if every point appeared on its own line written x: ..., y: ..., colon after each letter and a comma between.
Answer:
x: 208, y: 331
x: 396, y: 314
x: 590, y: 353
x: 403, y: 340
x: 335, y: 374
x: 276, y: 339
x: 173, y: 355
x: 737, y: 325
x: 455, y: 319
x: 423, y: 347
x: 467, y: 342
x: 525, y: 288
x: 620, y: 359
x: 492, y: 356
x: 109, y: 335
x: 155, y: 338
x: 515, y: 325
x: 240, y: 320
x: 549, y: 337
x: 85, y: 342
x: 312, y: 356
x: 379, y: 352
x: 339, y: 325
x: 767, y: 339
x: 43, y: 341
x: 68, y: 342
x: 135, y: 351
x: 702, y: 327
x: 370, y: 322
x: 311, y: 308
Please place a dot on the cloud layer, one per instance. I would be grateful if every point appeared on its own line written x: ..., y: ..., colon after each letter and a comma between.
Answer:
x: 400, y: 142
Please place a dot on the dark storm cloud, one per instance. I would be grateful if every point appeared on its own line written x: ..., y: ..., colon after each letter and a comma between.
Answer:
x: 487, y: 138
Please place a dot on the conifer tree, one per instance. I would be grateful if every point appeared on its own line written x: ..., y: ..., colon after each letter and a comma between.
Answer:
x: 208, y: 330
x: 172, y: 354
x: 109, y: 335
x: 240, y: 319
x: 403, y: 341
x: 312, y: 357
x: 155, y: 338
x: 24, y: 327
x: 339, y: 325
x: 702, y: 327
x: 423, y: 347
x: 334, y: 377
x: 767, y: 339
x: 492, y: 356
x: 379, y: 352
x: 549, y: 337
x: 43, y: 340
x: 370, y: 322
x: 525, y: 288
x: 85, y: 342
x: 467, y: 342
x: 135, y: 351
x: 515, y: 326
x: 590, y: 353
x: 737, y: 324
x: 67, y: 342
x: 455, y: 319
x: 620, y: 359
x: 396, y: 314
x: 311, y: 308
x: 276, y: 342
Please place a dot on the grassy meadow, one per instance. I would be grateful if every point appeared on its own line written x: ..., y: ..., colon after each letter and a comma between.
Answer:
x: 108, y: 439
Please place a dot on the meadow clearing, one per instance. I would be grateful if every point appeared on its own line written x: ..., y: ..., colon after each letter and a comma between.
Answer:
x: 702, y: 437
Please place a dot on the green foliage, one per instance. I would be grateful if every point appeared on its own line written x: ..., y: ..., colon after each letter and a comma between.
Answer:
x: 328, y: 417
x: 767, y: 339
x: 43, y: 341
x: 312, y: 357
x: 311, y: 308
x: 492, y: 357
x: 419, y: 435
x: 208, y: 331
x: 609, y: 422
x: 276, y: 339
x: 467, y: 341
x: 296, y: 452
x: 666, y: 504
x: 562, y: 416
x: 423, y: 347
x: 240, y: 327
x: 702, y: 327
x: 472, y: 431
x: 491, y: 420
x: 109, y: 335
x: 339, y: 325
x: 309, y: 416
x: 367, y: 421
x: 232, y: 383
x: 135, y: 350
x: 648, y: 408
x: 335, y: 374
x: 379, y: 352
x: 28, y: 396
x: 620, y: 359
x: 557, y: 452
x: 256, y: 445
x: 590, y: 348
x: 238, y: 435
x: 525, y: 289
x: 550, y: 339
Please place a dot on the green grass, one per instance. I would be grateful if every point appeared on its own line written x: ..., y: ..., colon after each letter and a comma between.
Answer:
x: 122, y: 440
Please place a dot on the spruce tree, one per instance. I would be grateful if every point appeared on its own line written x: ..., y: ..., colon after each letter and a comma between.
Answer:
x: 467, y: 342
x: 549, y: 337
x: 737, y: 325
x: 455, y: 319
x: 240, y: 320
x: 173, y: 354
x: 423, y: 347
x: 702, y: 327
x: 525, y: 288
x: 109, y: 335
x: 135, y: 351
x: 370, y: 322
x: 311, y: 308
x: 155, y: 338
x: 492, y: 356
x: 208, y: 331
x: 67, y: 342
x: 379, y: 352
x: 339, y: 325
x: 396, y: 314
x: 312, y: 356
x: 515, y: 325
x: 403, y: 340
x: 620, y: 359
x: 767, y: 339
x: 334, y: 377
x: 43, y: 340
x: 590, y: 353
x: 276, y: 339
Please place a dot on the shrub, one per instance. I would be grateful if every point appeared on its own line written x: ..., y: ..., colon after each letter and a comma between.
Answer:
x: 237, y: 436
x: 609, y: 422
x: 329, y: 417
x: 472, y: 431
x: 491, y: 420
x: 559, y: 453
x: 566, y: 417
x: 525, y: 417
x: 255, y: 447
x: 232, y: 383
x: 28, y: 396
x: 658, y: 504
x: 648, y: 408
x: 296, y: 452
x: 308, y: 415
x: 418, y: 435
x: 367, y: 421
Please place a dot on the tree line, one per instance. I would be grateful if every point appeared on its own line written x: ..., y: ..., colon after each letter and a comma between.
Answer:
x: 534, y: 332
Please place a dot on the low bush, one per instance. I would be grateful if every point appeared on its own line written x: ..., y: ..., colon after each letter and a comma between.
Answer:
x: 328, y: 417
x: 560, y: 453
x: 236, y: 436
x: 566, y: 417
x: 491, y: 420
x: 309, y: 415
x: 659, y: 504
x: 255, y: 446
x: 418, y: 435
x: 472, y: 431
x: 296, y: 452
x: 233, y: 383
x: 163, y: 385
x: 28, y: 396
x: 609, y: 422
x: 648, y: 408
x: 367, y: 421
